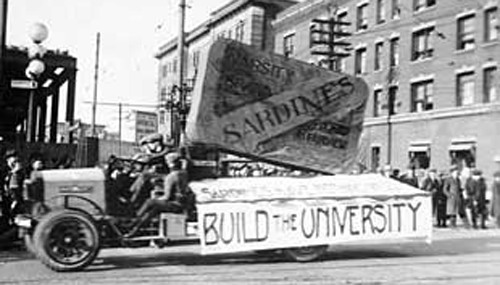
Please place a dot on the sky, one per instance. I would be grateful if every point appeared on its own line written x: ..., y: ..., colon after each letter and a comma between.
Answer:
x: 131, y: 32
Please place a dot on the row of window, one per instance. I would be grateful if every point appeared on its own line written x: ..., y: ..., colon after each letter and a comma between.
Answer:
x: 421, y: 159
x: 422, y: 93
x: 239, y: 32
x: 171, y: 66
x: 422, y: 42
x: 380, y: 11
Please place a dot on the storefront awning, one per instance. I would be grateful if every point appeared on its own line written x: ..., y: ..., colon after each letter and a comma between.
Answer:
x: 461, y: 147
x: 418, y: 148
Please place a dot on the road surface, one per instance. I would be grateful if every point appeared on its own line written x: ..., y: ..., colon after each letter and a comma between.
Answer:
x: 457, y: 256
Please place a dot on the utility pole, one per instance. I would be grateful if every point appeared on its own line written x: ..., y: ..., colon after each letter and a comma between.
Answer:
x: 119, y: 129
x: 3, y: 32
x: 180, y: 83
x: 332, y: 33
x: 96, y: 77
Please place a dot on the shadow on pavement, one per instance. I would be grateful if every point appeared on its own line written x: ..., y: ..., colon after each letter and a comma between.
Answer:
x: 450, y: 247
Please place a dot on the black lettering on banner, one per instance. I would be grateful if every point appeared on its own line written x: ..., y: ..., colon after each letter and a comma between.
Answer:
x: 223, y: 225
x: 414, y: 210
x: 325, y: 213
x: 378, y: 208
x: 313, y: 223
x: 336, y: 217
x: 366, y: 214
x: 210, y: 229
x: 352, y: 213
x: 261, y: 213
x: 389, y: 218
x: 398, y: 208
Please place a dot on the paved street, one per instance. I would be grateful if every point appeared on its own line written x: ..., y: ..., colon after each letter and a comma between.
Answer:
x: 455, y: 257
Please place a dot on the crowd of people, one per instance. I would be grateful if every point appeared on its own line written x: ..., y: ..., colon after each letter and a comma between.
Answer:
x: 459, y: 194
x: 18, y: 185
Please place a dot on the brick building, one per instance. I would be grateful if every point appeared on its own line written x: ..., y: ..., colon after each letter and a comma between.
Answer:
x: 433, y: 63
x: 247, y: 21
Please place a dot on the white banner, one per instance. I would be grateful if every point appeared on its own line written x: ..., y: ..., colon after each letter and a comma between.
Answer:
x: 233, y: 227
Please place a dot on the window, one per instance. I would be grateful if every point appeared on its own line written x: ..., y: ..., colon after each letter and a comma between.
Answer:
x: 422, y: 44
x: 491, y: 24
x: 490, y: 77
x: 196, y: 59
x: 163, y: 95
x: 396, y: 9
x: 174, y: 66
x: 362, y: 18
x: 377, y: 102
x: 419, y: 5
x: 465, y: 89
x: 393, y: 104
x: 288, y: 45
x: 421, y: 96
x: 342, y: 17
x: 379, y: 48
x: 164, y: 70
x: 360, y: 61
x: 465, y: 33
x: 375, y: 158
x: 380, y: 16
x: 394, y: 52
x: 239, y: 31
x: 319, y: 32
x: 162, y: 117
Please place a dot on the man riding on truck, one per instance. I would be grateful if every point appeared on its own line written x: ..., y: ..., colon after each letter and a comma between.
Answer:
x: 172, y: 197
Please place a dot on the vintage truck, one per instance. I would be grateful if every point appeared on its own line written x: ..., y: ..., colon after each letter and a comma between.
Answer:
x: 265, y: 107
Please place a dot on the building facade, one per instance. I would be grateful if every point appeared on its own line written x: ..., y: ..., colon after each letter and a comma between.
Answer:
x: 432, y: 68
x: 139, y: 124
x: 247, y: 21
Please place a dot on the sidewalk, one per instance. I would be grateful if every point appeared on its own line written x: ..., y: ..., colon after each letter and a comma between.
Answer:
x: 462, y: 232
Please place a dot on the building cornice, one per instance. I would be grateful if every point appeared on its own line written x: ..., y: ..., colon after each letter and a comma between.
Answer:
x: 445, y: 113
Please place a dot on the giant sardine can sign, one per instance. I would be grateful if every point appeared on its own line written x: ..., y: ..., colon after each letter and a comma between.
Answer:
x: 258, y: 214
x: 276, y: 108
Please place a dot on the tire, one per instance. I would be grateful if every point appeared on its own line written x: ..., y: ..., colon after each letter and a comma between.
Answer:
x: 66, y: 240
x: 305, y: 254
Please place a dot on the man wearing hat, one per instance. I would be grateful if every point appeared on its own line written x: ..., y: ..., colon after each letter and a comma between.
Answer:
x: 12, y: 190
x: 495, y: 205
x: 153, y: 160
x: 475, y: 201
x: 169, y: 198
x: 453, y: 192
x: 433, y: 184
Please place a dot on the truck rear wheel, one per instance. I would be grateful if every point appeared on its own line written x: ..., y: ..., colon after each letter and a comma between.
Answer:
x: 305, y: 254
x: 66, y: 240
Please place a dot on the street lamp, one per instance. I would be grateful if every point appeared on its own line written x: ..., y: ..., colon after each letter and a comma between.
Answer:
x: 38, y: 33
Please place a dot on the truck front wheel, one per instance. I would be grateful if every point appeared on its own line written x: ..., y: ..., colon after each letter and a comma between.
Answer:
x: 305, y: 254
x: 66, y: 240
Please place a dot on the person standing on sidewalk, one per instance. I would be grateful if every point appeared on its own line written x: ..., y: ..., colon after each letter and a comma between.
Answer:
x: 452, y: 190
x: 495, y: 205
x: 475, y: 189
x: 432, y: 184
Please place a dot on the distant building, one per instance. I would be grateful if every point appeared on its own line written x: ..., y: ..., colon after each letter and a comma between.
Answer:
x: 79, y: 129
x: 139, y: 124
x: 247, y: 21
x: 434, y: 62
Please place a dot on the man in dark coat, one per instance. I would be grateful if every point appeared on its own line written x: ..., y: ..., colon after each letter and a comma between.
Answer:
x: 495, y: 205
x: 433, y: 185
x: 12, y: 190
x: 453, y: 192
x: 475, y: 189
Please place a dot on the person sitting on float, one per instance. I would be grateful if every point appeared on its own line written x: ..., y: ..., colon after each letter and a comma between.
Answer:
x: 170, y: 197
x: 153, y: 160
